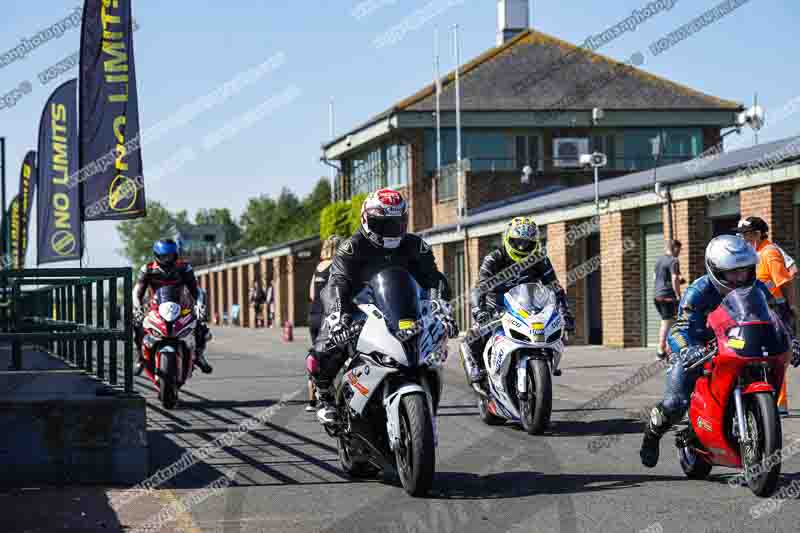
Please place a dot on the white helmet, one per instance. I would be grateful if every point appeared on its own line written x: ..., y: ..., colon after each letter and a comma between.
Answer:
x: 731, y: 263
x: 384, y: 218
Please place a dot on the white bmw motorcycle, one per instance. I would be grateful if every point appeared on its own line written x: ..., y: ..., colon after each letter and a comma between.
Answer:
x: 388, y: 391
x: 525, y: 348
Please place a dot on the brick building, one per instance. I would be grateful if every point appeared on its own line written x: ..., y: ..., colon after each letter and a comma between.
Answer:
x: 529, y: 102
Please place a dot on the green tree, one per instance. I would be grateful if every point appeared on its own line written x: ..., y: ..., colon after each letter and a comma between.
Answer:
x: 138, y: 235
x: 341, y: 218
x: 267, y: 221
x: 256, y: 222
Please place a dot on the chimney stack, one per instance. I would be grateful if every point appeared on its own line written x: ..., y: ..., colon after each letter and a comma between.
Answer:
x: 512, y: 19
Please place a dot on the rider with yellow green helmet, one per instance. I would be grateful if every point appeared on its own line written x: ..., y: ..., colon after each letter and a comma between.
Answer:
x: 521, y: 259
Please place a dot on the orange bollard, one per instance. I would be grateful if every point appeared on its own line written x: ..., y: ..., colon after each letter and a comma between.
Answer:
x: 288, y: 332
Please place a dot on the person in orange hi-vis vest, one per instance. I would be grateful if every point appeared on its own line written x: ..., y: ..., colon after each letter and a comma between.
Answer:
x: 776, y: 269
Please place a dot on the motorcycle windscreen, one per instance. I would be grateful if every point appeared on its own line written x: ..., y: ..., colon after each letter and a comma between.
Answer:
x: 169, y: 293
x: 532, y: 297
x: 751, y: 327
x: 395, y: 293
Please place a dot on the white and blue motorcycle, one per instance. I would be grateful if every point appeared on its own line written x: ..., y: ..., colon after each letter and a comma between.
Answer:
x: 524, y: 350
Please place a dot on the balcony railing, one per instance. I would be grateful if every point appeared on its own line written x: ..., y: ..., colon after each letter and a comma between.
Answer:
x: 447, y: 186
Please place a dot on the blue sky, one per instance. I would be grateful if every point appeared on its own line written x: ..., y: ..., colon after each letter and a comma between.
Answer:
x: 185, y: 50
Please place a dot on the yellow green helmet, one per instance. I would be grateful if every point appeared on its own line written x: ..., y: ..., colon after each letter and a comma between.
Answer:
x: 521, y: 238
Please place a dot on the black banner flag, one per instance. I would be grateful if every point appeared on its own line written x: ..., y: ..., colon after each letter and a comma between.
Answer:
x: 27, y: 189
x: 110, y: 155
x: 58, y: 221
x: 14, y: 234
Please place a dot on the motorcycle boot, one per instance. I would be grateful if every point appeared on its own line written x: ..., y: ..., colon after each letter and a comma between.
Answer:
x: 202, y: 336
x: 656, y: 426
x: 476, y: 375
x: 327, y: 413
x: 140, y: 362
x: 201, y: 361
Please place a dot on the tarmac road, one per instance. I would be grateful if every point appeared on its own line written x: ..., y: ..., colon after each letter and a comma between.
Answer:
x: 287, y: 477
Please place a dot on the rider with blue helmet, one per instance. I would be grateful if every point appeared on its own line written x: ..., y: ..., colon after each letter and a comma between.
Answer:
x: 168, y: 269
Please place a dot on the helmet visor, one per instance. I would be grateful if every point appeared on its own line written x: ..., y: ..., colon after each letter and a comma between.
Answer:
x: 524, y: 246
x: 740, y: 277
x: 389, y: 227
x: 166, y: 259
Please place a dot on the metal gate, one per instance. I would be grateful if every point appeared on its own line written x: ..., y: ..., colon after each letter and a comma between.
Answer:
x: 652, y: 249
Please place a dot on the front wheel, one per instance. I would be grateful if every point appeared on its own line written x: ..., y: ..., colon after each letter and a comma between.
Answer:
x: 168, y: 384
x: 535, y: 410
x: 415, y: 453
x: 764, y: 428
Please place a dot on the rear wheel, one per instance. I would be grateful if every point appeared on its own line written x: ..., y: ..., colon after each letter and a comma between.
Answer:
x: 535, y: 411
x: 693, y: 464
x: 764, y: 428
x: 415, y: 454
x: 168, y: 382
x: 356, y: 469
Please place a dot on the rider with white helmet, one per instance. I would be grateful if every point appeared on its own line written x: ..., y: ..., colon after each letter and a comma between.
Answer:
x: 730, y: 265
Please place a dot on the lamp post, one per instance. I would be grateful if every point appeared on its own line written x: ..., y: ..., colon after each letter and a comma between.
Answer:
x: 595, y: 160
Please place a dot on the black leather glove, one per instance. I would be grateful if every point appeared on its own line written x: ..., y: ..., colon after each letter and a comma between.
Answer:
x: 340, y: 329
x: 481, y: 316
x: 690, y: 355
x: 795, y: 353
x: 138, y: 316
x: 443, y: 312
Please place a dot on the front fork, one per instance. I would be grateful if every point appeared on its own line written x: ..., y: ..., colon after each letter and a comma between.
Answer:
x: 743, y: 436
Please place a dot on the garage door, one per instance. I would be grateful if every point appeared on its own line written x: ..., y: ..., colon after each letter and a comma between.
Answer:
x: 653, y: 248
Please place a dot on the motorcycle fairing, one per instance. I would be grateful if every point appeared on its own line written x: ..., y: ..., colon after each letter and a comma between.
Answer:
x: 376, y: 337
x: 364, y: 379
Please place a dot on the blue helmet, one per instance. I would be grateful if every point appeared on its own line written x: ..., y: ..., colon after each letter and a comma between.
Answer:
x: 166, y: 253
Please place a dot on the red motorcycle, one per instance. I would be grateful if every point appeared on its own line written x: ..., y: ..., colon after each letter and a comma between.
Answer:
x: 733, y: 419
x: 168, y: 345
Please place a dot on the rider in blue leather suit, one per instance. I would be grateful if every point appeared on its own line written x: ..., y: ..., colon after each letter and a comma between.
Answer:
x: 730, y: 264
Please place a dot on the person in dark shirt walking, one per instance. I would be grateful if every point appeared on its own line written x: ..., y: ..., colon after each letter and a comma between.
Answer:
x: 667, y: 291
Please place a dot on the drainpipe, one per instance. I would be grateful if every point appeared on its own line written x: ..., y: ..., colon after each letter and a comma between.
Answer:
x: 338, y: 169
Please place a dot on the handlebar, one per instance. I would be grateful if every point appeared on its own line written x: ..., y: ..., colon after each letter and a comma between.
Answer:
x: 711, y: 351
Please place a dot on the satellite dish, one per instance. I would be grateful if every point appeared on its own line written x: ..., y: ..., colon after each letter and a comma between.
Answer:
x: 526, y: 174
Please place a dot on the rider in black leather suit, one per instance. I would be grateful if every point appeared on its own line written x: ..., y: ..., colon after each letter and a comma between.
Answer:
x: 380, y: 243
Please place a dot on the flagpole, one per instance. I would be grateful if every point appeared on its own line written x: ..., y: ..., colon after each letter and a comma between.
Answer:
x: 3, y: 175
x: 458, y: 127
x: 331, y: 130
x: 438, y: 106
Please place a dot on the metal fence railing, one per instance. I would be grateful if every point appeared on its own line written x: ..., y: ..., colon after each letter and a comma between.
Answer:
x: 78, y: 315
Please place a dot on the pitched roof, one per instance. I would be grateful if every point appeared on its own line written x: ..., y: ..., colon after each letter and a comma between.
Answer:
x: 535, y: 71
x: 757, y: 157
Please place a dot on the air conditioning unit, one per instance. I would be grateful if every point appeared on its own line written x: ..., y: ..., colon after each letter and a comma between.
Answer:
x: 567, y: 151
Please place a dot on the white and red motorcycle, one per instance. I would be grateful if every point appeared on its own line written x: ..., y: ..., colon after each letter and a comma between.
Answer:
x: 168, y: 344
